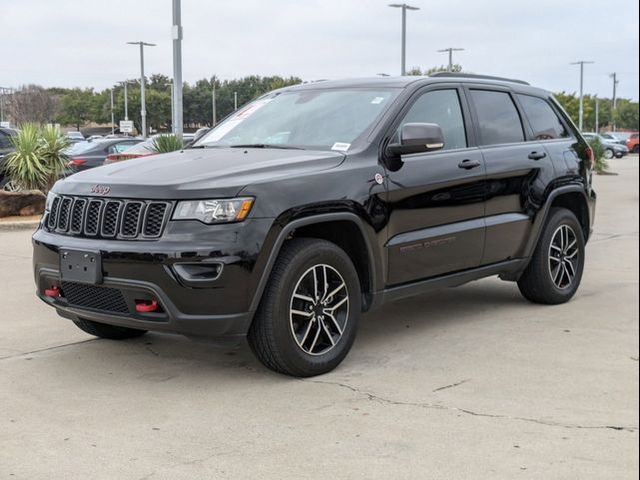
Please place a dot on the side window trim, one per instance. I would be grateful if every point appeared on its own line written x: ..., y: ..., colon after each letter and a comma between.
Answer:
x: 464, y: 107
x: 474, y: 113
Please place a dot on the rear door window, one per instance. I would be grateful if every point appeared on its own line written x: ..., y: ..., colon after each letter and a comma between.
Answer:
x: 543, y: 119
x: 498, y: 118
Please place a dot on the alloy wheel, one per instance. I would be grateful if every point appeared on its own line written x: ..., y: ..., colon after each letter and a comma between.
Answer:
x: 319, y: 309
x: 563, y: 256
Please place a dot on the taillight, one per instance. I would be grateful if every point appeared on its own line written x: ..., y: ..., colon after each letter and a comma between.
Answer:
x: 74, y: 162
x: 591, y: 158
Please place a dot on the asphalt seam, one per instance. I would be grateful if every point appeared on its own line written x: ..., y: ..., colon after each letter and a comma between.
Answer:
x: 377, y: 398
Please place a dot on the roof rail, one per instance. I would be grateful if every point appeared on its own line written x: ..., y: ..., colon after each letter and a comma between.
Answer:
x: 479, y: 77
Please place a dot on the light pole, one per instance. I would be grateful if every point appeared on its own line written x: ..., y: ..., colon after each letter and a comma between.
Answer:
x: 614, y: 104
x: 582, y: 63
x: 214, y: 120
x: 143, y: 108
x: 126, y: 100
x: 235, y: 101
x: 597, y: 130
x: 176, y: 102
x: 112, y: 117
x: 403, y: 60
x: 450, y: 50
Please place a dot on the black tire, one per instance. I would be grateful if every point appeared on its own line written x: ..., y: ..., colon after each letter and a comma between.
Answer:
x: 609, y: 154
x: 112, y: 332
x: 272, y: 335
x: 636, y: 149
x: 539, y: 282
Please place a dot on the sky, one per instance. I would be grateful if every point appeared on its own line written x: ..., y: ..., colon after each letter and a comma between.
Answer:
x: 82, y: 43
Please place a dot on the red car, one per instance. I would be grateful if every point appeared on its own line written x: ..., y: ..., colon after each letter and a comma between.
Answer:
x: 632, y: 143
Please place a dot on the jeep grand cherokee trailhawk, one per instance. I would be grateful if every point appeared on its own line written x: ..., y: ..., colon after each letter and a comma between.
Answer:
x: 318, y: 202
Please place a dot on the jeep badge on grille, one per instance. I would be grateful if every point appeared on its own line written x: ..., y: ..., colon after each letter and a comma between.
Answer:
x: 101, y: 189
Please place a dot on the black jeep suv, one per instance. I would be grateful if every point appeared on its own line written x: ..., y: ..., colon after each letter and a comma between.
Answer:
x: 318, y: 202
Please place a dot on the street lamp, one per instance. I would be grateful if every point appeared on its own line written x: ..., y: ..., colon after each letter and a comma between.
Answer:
x: 404, y: 7
x: 176, y: 90
x: 143, y: 108
x: 126, y: 100
x: 450, y: 50
x: 582, y: 63
x: 614, y: 100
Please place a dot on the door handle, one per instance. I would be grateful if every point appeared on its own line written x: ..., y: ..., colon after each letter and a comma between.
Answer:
x: 537, y: 155
x: 469, y: 164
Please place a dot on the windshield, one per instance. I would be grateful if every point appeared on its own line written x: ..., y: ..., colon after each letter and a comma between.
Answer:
x: 314, y: 119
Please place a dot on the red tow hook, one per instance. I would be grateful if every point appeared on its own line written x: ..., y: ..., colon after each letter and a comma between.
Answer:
x: 145, y: 306
x: 53, y: 292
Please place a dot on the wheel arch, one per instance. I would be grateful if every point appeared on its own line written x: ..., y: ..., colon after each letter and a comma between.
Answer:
x: 345, y: 229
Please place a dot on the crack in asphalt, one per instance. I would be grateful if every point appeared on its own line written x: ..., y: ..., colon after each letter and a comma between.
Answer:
x: 55, y: 347
x: 452, y: 385
x: 377, y: 398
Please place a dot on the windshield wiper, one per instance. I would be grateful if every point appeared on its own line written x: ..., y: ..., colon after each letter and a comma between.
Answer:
x: 265, y: 145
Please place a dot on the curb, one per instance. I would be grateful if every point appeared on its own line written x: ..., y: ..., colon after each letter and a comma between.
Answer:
x: 15, y: 226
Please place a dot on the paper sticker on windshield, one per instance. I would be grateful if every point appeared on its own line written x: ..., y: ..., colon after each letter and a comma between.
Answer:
x: 236, y: 119
x: 377, y: 101
x: 340, y: 146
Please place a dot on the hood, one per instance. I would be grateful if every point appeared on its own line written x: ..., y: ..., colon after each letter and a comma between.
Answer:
x: 196, y: 173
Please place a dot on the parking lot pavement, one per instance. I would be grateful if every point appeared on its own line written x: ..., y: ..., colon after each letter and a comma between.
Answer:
x: 472, y: 382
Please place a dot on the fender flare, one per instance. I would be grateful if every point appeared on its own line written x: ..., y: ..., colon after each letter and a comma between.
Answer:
x: 543, y: 214
x: 312, y: 220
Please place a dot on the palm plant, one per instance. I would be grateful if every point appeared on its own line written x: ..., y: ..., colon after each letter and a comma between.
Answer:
x: 38, y: 157
x: 167, y: 143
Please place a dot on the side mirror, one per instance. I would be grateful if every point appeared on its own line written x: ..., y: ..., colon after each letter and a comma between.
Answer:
x: 417, y: 138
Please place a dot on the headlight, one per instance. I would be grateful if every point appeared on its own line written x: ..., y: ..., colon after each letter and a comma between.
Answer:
x: 49, y: 201
x: 214, y: 211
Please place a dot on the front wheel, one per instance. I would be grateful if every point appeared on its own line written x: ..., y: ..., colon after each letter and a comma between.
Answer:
x: 555, y: 270
x: 608, y: 154
x: 308, y: 316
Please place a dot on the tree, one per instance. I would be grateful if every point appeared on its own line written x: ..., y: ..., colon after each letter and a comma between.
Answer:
x: 456, y: 68
x: 32, y: 103
x: 77, y: 107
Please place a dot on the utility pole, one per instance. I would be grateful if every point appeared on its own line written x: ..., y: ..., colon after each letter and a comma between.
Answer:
x: 126, y: 101
x: 143, y: 107
x: 235, y: 101
x: 214, y: 120
x: 597, y: 130
x: 113, y: 122
x: 582, y: 63
x: 614, y: 105
x: 450, y: 50
x: 176, y: 103
x: 403, y: 49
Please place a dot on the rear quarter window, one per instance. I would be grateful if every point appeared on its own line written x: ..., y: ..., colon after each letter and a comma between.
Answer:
x: 543, y: 119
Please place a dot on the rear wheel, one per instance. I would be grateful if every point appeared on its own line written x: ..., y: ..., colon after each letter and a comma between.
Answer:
x: 608, y: 154
x: 636, y: 149
x: 555, y: 270
x: 307, y: 319
x: 112, y: 332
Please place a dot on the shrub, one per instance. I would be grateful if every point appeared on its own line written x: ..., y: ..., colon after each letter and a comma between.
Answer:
x: 598, y: 153
x: 167, y: 143
x: 38, y: 158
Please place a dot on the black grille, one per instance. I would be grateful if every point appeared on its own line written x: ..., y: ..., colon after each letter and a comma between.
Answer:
x: 112, y: 218
x: 97, y: 298
x: 77, y: 213
x: 154, y: 219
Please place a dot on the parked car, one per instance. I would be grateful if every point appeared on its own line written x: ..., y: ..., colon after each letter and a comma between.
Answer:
x: 140, y: 149
x: 611, y: 149
x: 318, y: 202
x: 612, y: 137
x: 75, y: 136
x: 6, y: 147
x: 632, y: 143
x: 85, y: 155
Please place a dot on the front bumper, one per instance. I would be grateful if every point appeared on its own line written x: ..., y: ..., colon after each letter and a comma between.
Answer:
x: 138, y: 270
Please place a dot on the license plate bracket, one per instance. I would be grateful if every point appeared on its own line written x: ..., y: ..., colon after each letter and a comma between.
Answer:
x: 80, y: 266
